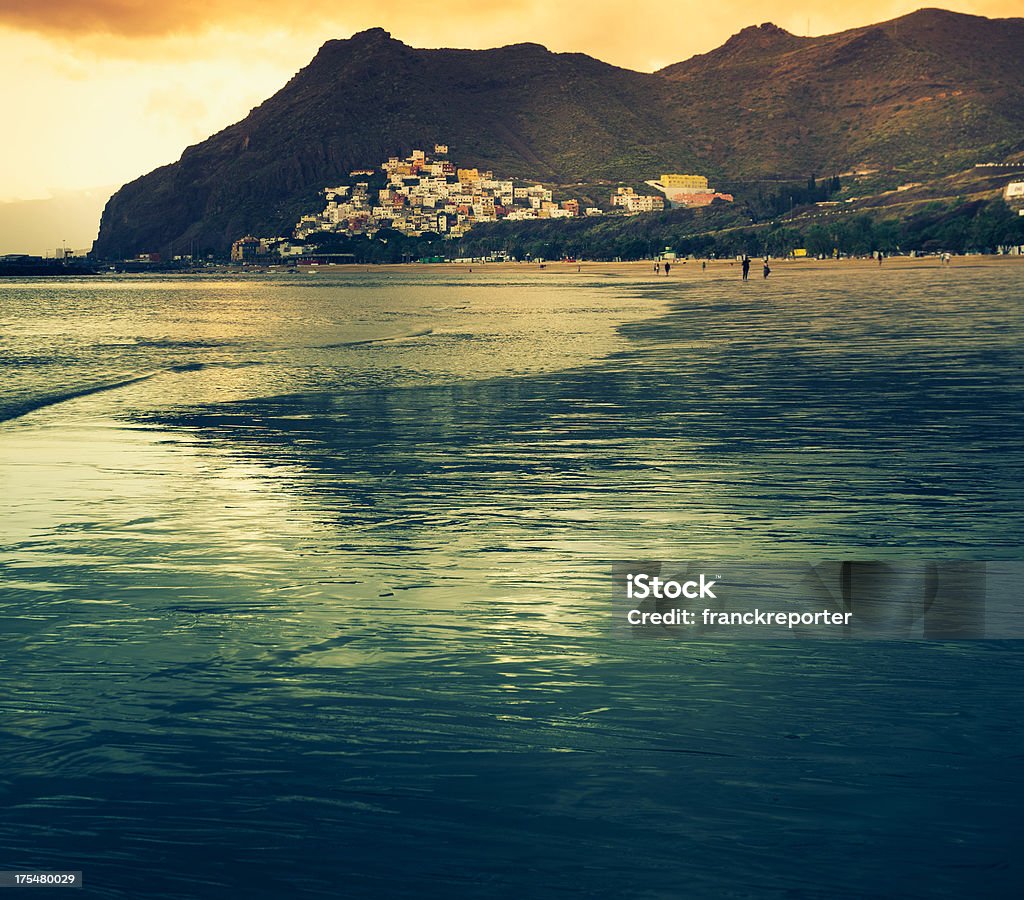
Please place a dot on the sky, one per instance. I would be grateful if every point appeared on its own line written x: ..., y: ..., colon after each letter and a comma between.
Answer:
x: 99, y: 92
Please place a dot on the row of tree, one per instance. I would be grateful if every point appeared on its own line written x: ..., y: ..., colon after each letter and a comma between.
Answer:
x: 788, y: 196
x: 386, y: 246
x: 982, y: 226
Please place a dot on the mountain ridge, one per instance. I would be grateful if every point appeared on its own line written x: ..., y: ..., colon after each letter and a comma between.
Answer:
x: 764, y: 104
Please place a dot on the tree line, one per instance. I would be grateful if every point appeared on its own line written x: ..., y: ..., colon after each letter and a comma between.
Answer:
x: 977, y: 226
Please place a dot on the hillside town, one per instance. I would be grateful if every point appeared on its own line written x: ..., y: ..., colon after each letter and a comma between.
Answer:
x: 428, y: 197
x: 428, y: 193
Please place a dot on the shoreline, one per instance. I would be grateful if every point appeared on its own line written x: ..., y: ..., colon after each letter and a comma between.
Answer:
x: 634, y: 269
x: 644, y: 268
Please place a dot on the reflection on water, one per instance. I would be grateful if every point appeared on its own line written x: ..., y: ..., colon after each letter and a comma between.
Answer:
x: 319, y: 609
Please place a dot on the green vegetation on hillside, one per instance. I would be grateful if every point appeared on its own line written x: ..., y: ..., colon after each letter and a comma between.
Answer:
x: 982, y: 226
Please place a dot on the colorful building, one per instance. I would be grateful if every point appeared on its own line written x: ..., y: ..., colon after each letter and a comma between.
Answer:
x: 688, y: 190
x: 634, y: 203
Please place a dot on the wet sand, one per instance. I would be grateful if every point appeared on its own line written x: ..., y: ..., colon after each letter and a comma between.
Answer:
x: 322, y: 608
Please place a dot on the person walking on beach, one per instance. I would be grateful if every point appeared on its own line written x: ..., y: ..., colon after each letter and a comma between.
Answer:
x: 746, y: 266
x: 668, y: 268
x: 657, y: 268
x: 767, y: 271
x: 703, y: 264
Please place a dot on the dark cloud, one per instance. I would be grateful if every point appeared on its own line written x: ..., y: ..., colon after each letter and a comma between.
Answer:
x: 647, y: 34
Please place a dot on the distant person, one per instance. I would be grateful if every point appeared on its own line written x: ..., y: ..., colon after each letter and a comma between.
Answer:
x: 703, y: 264
x: 767, y: 271
x: 880, y: 257
x: 657, y: 268
x: 746, y: 267
x: 668, y: 268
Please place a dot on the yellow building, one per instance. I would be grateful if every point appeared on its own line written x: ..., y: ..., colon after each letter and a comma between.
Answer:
x: 467, y: 176
x: 245, y: 249
x: 693, y: 182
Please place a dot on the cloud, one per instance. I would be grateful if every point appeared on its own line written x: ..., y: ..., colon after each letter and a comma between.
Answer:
x: 120, y: 116
x: 601, y: 22
x: 137, y: 81
x: 137, y: 18
x: 117, y: 17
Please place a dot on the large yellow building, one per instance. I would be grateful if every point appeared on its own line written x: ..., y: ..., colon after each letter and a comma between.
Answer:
x: 692, y: 182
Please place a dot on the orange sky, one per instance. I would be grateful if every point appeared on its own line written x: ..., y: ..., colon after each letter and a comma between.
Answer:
x: 98, y: 92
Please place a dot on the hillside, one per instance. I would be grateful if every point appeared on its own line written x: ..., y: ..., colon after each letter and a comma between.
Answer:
x: 926, y: 94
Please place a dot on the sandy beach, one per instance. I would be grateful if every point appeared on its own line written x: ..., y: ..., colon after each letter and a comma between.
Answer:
x: 643, y: 269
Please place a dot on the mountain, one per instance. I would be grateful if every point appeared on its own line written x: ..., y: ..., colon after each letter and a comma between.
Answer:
x: 928, y: 93
x: 68, y: 218
x: 923, y: 94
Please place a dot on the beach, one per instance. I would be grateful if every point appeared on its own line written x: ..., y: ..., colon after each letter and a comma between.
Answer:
x: 644, y: 269
x: 309, y: 574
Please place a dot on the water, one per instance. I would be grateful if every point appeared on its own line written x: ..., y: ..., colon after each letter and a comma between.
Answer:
x: 305, y: 583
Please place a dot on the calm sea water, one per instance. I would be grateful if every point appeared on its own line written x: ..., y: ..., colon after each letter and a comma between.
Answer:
x: 305, y: 584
